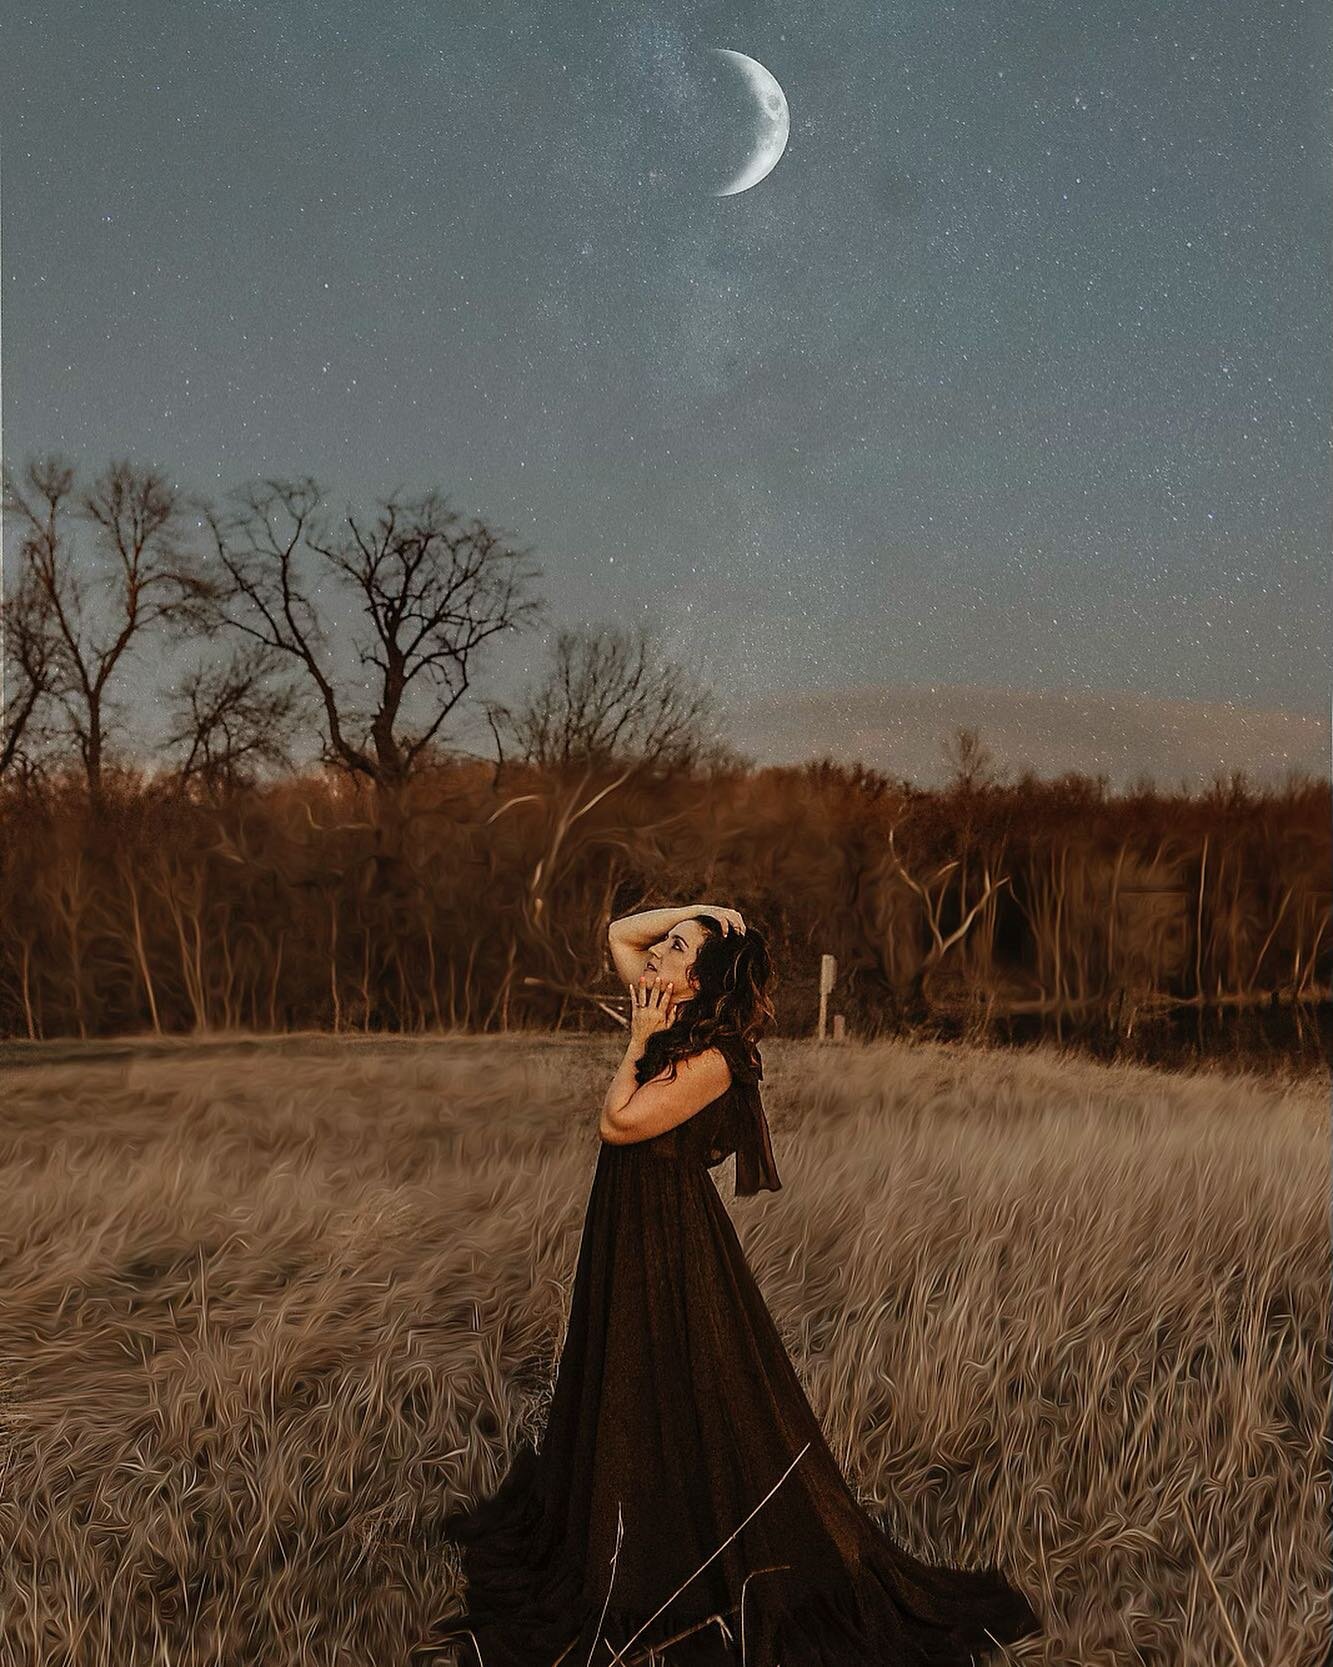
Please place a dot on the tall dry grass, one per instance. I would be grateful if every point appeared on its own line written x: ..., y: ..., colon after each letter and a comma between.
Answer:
x: 267, y: 1309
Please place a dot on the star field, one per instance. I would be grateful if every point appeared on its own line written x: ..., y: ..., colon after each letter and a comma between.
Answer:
x: 1013, y: 373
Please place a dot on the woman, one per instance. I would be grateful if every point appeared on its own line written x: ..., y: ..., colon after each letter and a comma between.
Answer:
x: 683, y: 1474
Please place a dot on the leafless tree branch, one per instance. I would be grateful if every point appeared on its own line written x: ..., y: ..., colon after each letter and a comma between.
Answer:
x: 431, y: 588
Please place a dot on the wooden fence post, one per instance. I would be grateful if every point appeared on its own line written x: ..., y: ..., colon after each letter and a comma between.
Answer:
x: 828, y: 971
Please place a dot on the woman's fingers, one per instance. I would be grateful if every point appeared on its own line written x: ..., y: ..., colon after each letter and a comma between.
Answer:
x: 643, y: 994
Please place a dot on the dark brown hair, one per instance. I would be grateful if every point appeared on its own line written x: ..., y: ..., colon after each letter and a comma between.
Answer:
x: 731, y: 1008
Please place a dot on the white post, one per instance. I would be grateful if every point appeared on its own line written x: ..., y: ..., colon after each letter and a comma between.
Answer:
x: 828, y: 971
x: 839, y: 1028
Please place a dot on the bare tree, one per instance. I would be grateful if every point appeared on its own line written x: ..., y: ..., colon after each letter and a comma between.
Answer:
x: 932, y: 893
x: 230, y: 718
x: 28, y: 671
x: 432, y: 588
x: 610, y: 699
x: 147, y: 578
x: 973, y: 763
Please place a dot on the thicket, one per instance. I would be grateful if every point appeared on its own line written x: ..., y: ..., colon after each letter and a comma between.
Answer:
x: 478, y: 898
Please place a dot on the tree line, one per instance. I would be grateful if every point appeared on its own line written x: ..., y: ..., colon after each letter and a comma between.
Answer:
x: 389, y: 881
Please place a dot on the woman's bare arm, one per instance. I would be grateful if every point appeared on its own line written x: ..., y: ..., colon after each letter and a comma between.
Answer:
x: 660, y: 1104
x: 632, y: 936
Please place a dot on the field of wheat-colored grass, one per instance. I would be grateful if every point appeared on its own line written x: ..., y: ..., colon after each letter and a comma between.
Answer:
x: 268, y: 1308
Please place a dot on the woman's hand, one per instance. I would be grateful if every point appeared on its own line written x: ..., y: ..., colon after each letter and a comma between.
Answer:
x: 728, y: 919
x: 654, y: 1007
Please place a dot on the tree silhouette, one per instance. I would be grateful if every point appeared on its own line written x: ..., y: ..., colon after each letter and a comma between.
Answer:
x: 228, y: 719
x: 973, y: 764
x: 146, y: 574
x: 27, y: 669
x: 609, y: 699
x: 431, y: 588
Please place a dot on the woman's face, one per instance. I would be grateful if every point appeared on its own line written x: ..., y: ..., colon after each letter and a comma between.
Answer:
x: 672, y: 957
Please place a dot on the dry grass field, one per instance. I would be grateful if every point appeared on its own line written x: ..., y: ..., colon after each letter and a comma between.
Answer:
x: 268, y: 1307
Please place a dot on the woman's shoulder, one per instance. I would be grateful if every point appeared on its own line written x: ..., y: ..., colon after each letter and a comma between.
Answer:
x: 743, y: 1057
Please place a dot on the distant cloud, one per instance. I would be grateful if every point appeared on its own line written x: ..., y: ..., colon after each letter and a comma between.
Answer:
x: 902, y: 727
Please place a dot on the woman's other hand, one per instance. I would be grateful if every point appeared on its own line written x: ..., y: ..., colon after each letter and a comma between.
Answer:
x: 728, y: 919
x: 654, y: 1006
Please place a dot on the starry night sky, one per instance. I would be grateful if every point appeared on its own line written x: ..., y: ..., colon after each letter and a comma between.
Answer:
x: 1011, y: 382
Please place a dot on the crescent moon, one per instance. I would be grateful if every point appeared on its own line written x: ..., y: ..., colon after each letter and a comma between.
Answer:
x: 771, y: 139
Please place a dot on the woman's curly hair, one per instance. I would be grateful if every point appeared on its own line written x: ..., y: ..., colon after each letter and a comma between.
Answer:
x: 731, y: 1008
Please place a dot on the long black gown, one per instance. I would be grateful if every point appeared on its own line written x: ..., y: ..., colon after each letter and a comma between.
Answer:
x: 675, y: 1410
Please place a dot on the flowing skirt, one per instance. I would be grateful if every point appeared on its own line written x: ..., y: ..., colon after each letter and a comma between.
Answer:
x: 676, y: 1412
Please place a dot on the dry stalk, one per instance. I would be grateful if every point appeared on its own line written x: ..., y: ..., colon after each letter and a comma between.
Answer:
x: 619, y: 1656
x: 1221, y: 1607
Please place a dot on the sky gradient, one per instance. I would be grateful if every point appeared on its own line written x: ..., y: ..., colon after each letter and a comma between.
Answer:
x: 1013, y: 375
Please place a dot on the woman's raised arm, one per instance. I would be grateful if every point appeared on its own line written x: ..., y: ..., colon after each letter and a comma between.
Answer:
x: 632, y: 936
